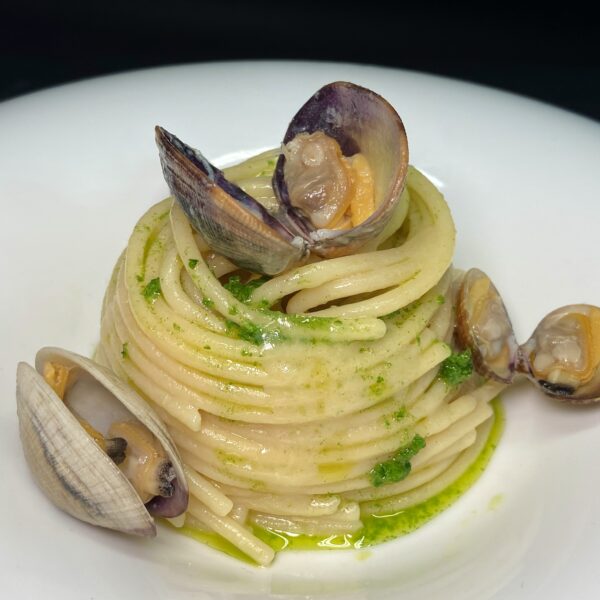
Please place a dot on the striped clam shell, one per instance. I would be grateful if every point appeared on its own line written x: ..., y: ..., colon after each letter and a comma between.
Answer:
x: 70, y: 468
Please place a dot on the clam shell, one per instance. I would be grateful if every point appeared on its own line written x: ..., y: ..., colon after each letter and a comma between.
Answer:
x: 237, y: 226
x: 231, y: 222
x: 562, y: 356
x: 360, y: 121
x: 484, y: 327
x: 70, y: 468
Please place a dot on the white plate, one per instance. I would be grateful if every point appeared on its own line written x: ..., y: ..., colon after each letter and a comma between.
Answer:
x: 78, y: 167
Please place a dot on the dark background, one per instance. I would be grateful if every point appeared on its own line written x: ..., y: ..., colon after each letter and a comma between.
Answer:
x: 550, y: 53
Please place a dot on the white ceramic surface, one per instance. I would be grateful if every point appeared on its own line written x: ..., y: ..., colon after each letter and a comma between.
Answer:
x: 78, y: 166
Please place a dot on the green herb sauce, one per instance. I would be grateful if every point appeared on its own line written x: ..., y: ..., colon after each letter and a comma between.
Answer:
x: 214, y: 541
x: 375, y: 529
x: 243, y: 291
x: 400, y: 413
x: 398, y: 467
x: 457, y: 368
x: 378, y: 387
x: 152, y: 291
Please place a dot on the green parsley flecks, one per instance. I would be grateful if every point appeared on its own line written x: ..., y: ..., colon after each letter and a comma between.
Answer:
x: 243, y: 291
x: 125, y: 350
x: 377, y: 388
x: 152, y: 291
x: 192, y: 263
x: 252, y: 333
x: 400, y: 414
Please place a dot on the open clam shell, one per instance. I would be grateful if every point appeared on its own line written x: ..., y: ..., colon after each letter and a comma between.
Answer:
x: 68, y: 465
x: 237, y: 226
x: 360, y: 121
x: 563, y: 354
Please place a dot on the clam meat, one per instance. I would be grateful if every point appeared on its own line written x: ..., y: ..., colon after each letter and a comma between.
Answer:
x: 94, y: 447
x: 562, y: 356
x: 340, y: 173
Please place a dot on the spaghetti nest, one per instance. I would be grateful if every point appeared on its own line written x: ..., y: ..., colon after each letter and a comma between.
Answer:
x: 307, y: 402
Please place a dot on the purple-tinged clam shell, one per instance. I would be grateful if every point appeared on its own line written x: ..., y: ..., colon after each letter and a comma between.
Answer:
x: 360, y: 121
x: 237, y: 226
x: 232, y: 222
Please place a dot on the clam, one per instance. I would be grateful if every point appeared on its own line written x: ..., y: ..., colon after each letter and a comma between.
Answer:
x: 562, y: 356
x: 483, y: 326
x: 341, y: 171
x: 94, y: 446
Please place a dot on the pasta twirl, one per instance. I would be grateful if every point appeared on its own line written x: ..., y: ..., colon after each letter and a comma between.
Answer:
x: 284, y: 400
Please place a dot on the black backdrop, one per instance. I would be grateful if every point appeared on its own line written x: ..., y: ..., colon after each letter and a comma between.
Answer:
x: 551, y: 53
